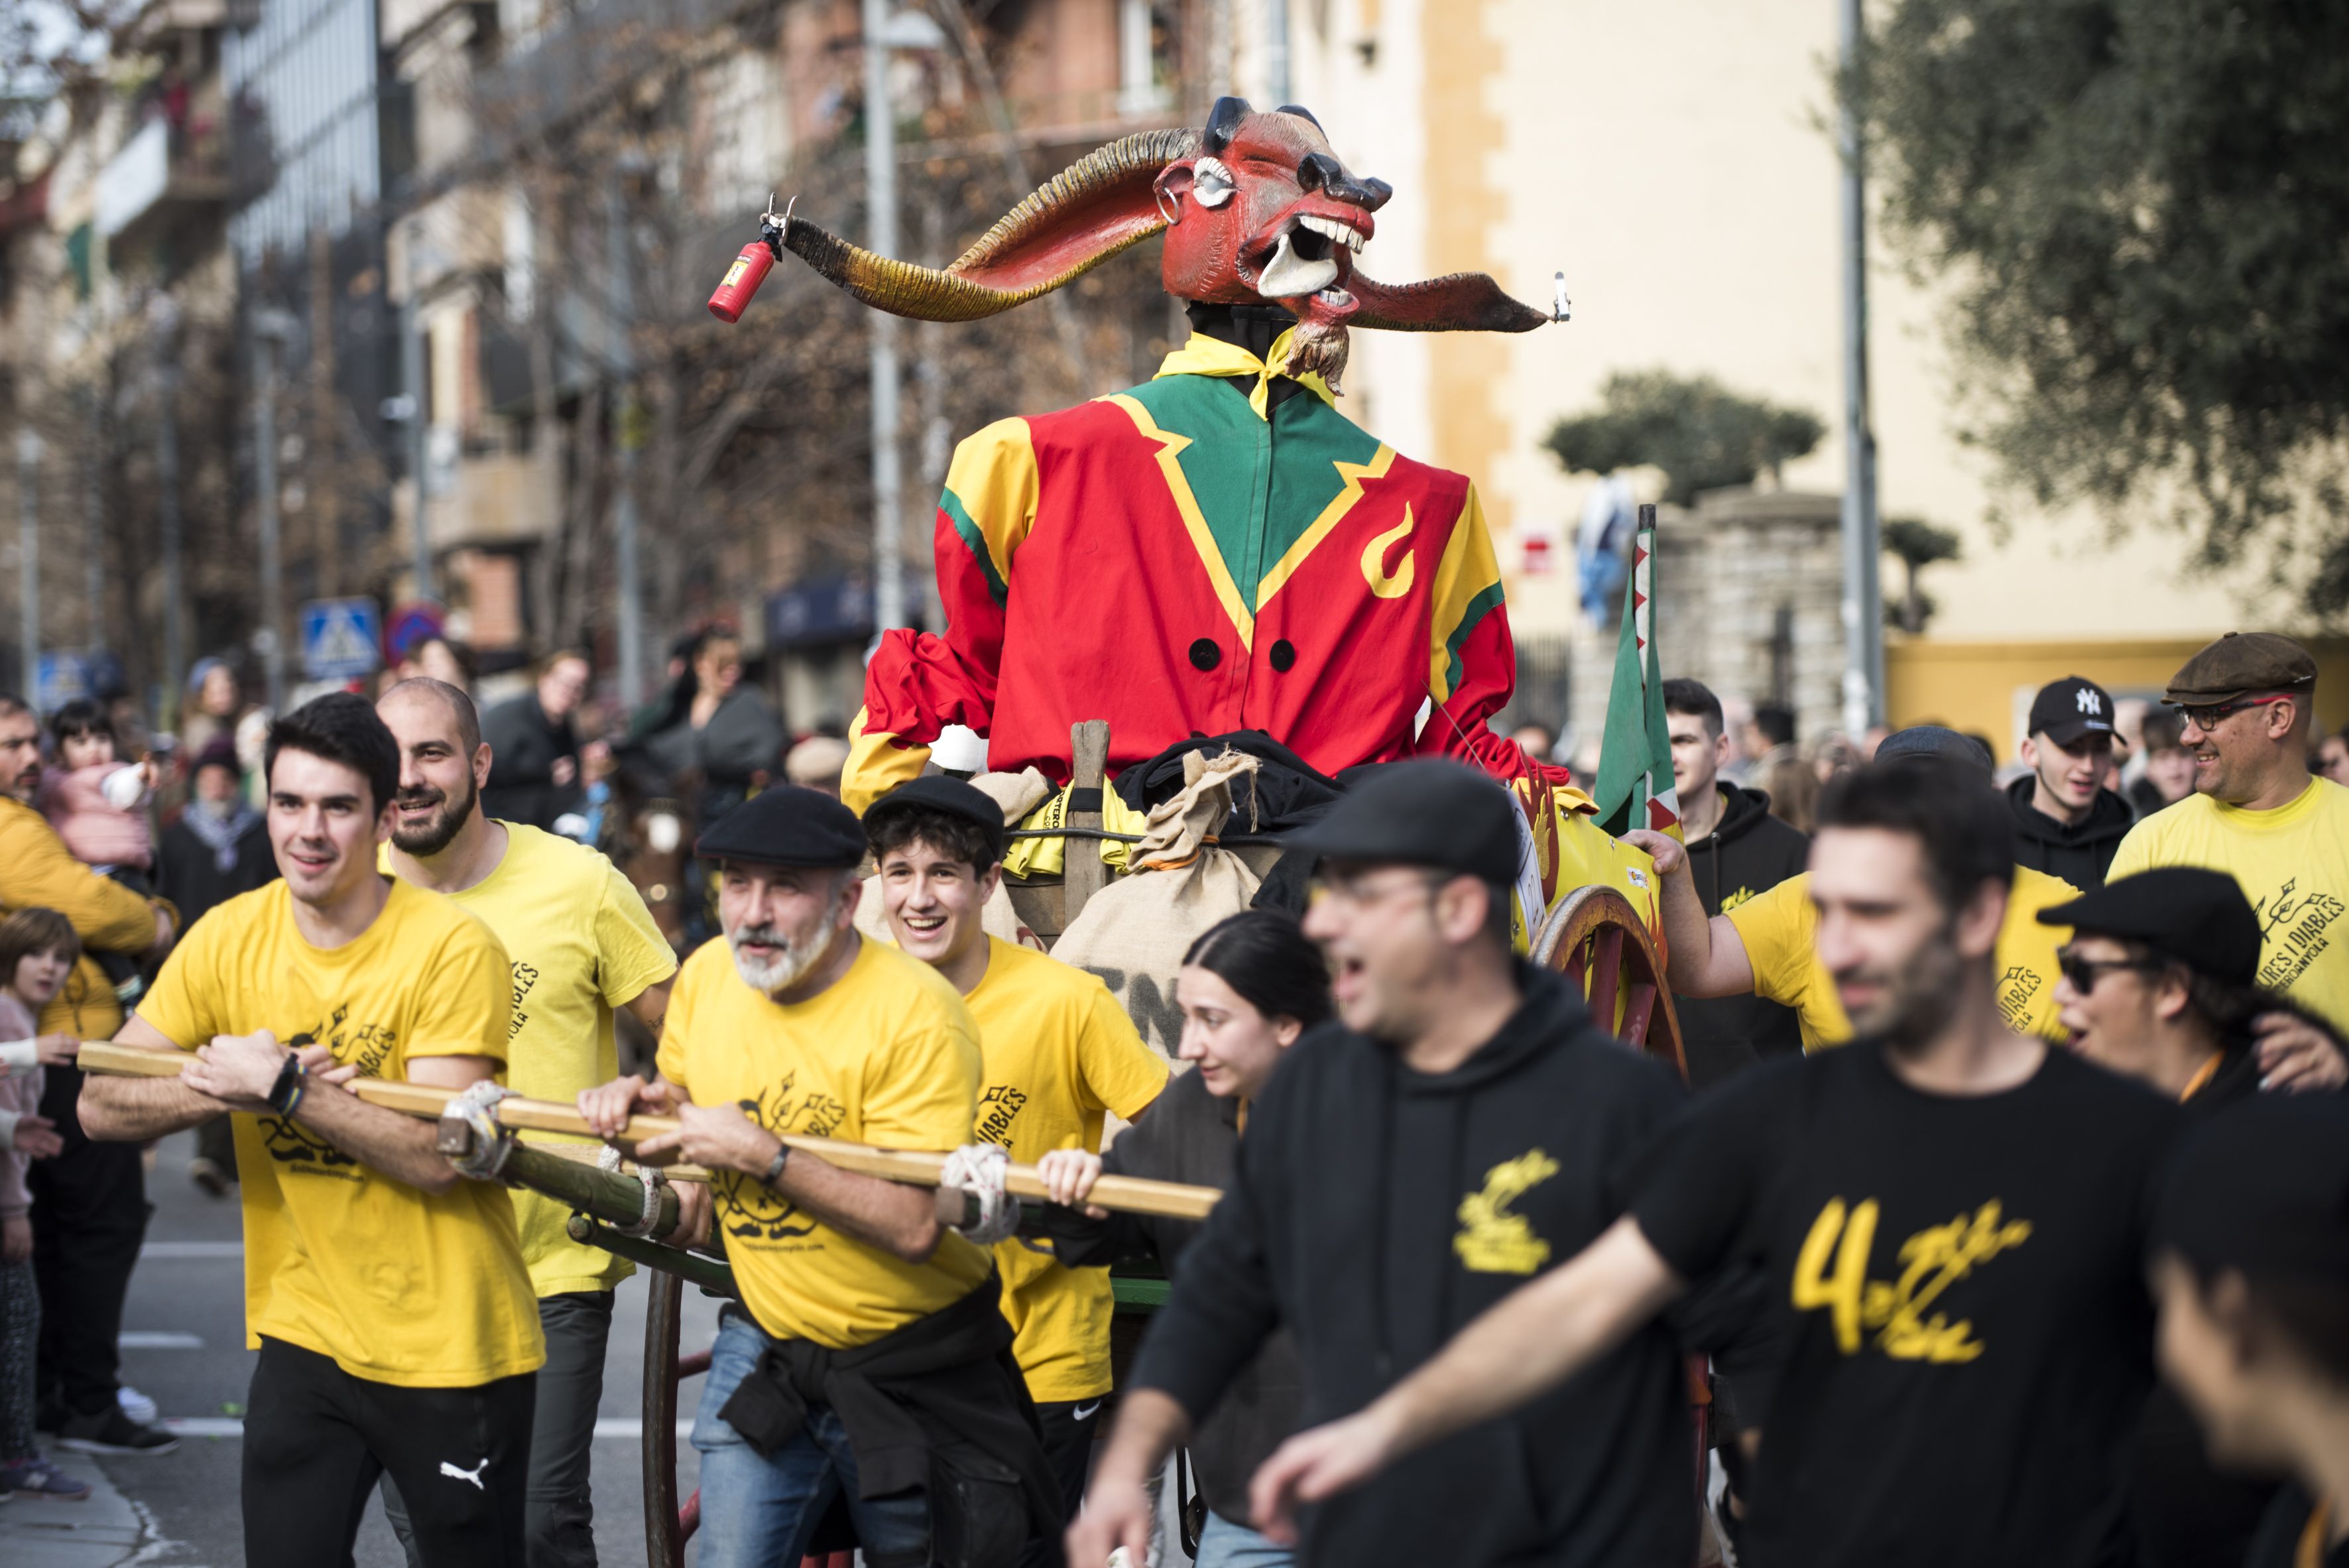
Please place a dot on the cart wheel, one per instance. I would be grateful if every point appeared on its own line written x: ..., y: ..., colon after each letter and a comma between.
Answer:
x: 1595, y: 938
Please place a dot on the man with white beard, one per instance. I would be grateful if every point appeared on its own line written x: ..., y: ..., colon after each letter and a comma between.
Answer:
x: 869, y: 1361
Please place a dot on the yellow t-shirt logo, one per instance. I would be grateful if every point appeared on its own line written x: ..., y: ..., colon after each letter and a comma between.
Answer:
x: 1492, y: 1240
x: 1930, y: 1262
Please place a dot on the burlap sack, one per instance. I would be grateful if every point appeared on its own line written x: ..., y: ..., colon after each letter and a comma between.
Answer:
x: 1133, y: 931
x: 1017, y: 794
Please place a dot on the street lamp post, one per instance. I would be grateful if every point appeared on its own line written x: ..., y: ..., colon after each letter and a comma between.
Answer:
x: 271, y: 328
x: 1863, y: 603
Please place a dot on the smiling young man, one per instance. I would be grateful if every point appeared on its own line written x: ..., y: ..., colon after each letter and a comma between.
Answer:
x: 2257, y: 813
x: 581, y: 944
x: 1457, y: 1130
x: 1768, y: 944
x: 869, y: 1359
x: 386, y: 1293
x: 2068, y: 820
x: 1059, y: 1054
x: 1950, y: 1215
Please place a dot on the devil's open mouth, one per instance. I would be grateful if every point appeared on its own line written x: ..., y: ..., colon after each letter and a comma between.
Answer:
x: 1310, y: 254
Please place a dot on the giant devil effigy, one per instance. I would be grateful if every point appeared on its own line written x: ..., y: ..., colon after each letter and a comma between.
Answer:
x: 1218, y: 550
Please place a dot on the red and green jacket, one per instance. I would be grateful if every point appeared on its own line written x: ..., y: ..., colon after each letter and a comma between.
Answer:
x: 1183, y: 558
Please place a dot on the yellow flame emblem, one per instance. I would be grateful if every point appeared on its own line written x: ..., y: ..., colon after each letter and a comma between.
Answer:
x: 1374, y: 558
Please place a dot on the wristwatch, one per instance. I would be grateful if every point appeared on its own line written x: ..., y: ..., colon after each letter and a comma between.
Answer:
x: 286, y: 1092
x: 775, y: 1166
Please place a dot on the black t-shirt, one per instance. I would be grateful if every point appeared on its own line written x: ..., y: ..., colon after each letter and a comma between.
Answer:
x: 1961, y: 1282
x: 2287, y: 1538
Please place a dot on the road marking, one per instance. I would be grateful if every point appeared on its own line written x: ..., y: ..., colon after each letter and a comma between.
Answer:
x: 159, y: 1339
x: 624, y: 1427
x: 165, y: 1250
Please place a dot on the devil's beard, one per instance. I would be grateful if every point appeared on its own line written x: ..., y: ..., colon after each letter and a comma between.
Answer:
x: 1319, y: 348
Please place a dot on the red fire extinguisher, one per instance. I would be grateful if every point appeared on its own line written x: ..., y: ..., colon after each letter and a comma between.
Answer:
x: 751, y: 268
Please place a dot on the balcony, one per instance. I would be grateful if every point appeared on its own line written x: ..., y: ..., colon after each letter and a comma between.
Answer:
x: 167, y: 173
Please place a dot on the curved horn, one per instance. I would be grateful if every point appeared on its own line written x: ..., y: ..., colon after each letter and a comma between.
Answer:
x: 1462, y: 302
x: 1098, y: 206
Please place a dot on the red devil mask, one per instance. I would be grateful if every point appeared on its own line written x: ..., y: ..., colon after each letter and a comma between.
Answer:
x: 1257, y: 209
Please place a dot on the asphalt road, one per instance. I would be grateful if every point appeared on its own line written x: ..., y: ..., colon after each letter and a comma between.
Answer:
x: 183, y: 1345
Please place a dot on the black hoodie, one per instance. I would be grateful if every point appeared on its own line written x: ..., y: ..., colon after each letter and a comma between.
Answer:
x: 1750, y: 852
x: 2081, y: 855
x: 1375, y: 1211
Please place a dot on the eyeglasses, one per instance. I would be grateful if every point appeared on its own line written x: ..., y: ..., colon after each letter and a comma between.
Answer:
x: 2208, y: 715
x: 2083, y: 972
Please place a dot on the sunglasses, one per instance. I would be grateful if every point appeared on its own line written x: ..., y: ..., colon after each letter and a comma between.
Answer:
x: 2083, y: 972
x: 2209, y: 716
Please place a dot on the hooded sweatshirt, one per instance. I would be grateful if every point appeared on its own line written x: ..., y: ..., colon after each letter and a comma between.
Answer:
x: 1374, y: 1213
x: 2079, y: 854
x: 1749, y: 852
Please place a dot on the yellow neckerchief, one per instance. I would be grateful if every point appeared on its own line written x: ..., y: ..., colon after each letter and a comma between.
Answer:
x: 2202, y: 1078
x: 1206, y: 356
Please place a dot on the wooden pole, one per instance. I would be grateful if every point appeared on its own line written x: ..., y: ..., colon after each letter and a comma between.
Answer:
x: 1127, y: 1195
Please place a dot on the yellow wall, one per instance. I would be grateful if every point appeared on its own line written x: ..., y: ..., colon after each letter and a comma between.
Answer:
x: 1985, y: 687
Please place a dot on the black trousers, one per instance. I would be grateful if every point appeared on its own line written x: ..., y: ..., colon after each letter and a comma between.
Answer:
x: 1070, y: 1427
x: 317, y: 1439
x: 561, y: 1515
x: 89, y: 1215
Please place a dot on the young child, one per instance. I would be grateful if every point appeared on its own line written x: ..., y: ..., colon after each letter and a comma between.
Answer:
x: 37, y: 950
x: 97, y: 804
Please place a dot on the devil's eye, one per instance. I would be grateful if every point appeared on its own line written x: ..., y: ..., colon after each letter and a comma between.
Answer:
x: 1211, y: 183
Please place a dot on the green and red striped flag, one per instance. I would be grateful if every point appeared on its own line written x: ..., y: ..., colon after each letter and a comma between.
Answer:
x: 1635, y: 754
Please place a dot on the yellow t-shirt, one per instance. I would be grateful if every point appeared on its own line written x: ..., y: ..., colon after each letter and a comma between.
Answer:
x: 1059, y: 1053
x: 2293, y: 863
x: 886, y: 1055
x: 423, y: 1290
x: 1780, y: 931
x: 581, y: 944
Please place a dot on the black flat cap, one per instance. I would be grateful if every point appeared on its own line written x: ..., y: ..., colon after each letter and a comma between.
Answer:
x: 1933, y: 740
x: 1421, y: 813
x: 937, y: 792
x: 2240, y: 663
x: 2263, y: 1187
x: 2198, y: 917
x: 789, y: 826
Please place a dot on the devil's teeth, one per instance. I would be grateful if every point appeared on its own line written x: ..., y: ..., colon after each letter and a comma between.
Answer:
x: 1345, y: 234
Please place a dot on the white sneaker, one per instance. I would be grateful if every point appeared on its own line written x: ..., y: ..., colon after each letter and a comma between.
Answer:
x: 135, y: 1405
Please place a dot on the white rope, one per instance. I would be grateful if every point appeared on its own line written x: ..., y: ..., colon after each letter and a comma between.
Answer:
x: 477, y: 1107
x: 649, y: 1216
x: 978, y: 1169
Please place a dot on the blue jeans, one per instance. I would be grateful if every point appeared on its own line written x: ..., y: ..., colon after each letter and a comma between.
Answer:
x: 755, y: 1512
x: 1223, y: 1544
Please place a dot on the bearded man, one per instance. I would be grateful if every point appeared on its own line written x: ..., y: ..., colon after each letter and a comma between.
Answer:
x: 582, y: 944
x: 869, y: 1361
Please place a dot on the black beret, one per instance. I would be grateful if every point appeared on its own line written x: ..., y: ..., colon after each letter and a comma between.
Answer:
x: 937, y: 792
x: 1933, y: 740
x: 1424, y: 813
x: 2263, y: 1187
x: 2240, y: 663
x: 788, y: 826
x: 2197, y: 916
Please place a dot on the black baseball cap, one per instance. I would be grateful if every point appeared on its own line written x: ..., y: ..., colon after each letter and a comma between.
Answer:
x: 2198, y: 917
x: 1425, y: 813
x: 938, y: 792
x: 2263, y: 1187
x: 788, y: 826
x: 2068, y: 710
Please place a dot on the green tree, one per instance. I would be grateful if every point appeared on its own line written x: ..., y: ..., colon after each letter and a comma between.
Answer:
x: 2139, y: 210
x: 1918, y: 544
x: 1702, y: 434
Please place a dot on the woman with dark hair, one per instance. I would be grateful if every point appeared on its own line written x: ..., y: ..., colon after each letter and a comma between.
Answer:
x: 1248, y: 987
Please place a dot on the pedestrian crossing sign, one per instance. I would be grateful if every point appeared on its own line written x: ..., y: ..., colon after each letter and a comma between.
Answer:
x: 340, y: 639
